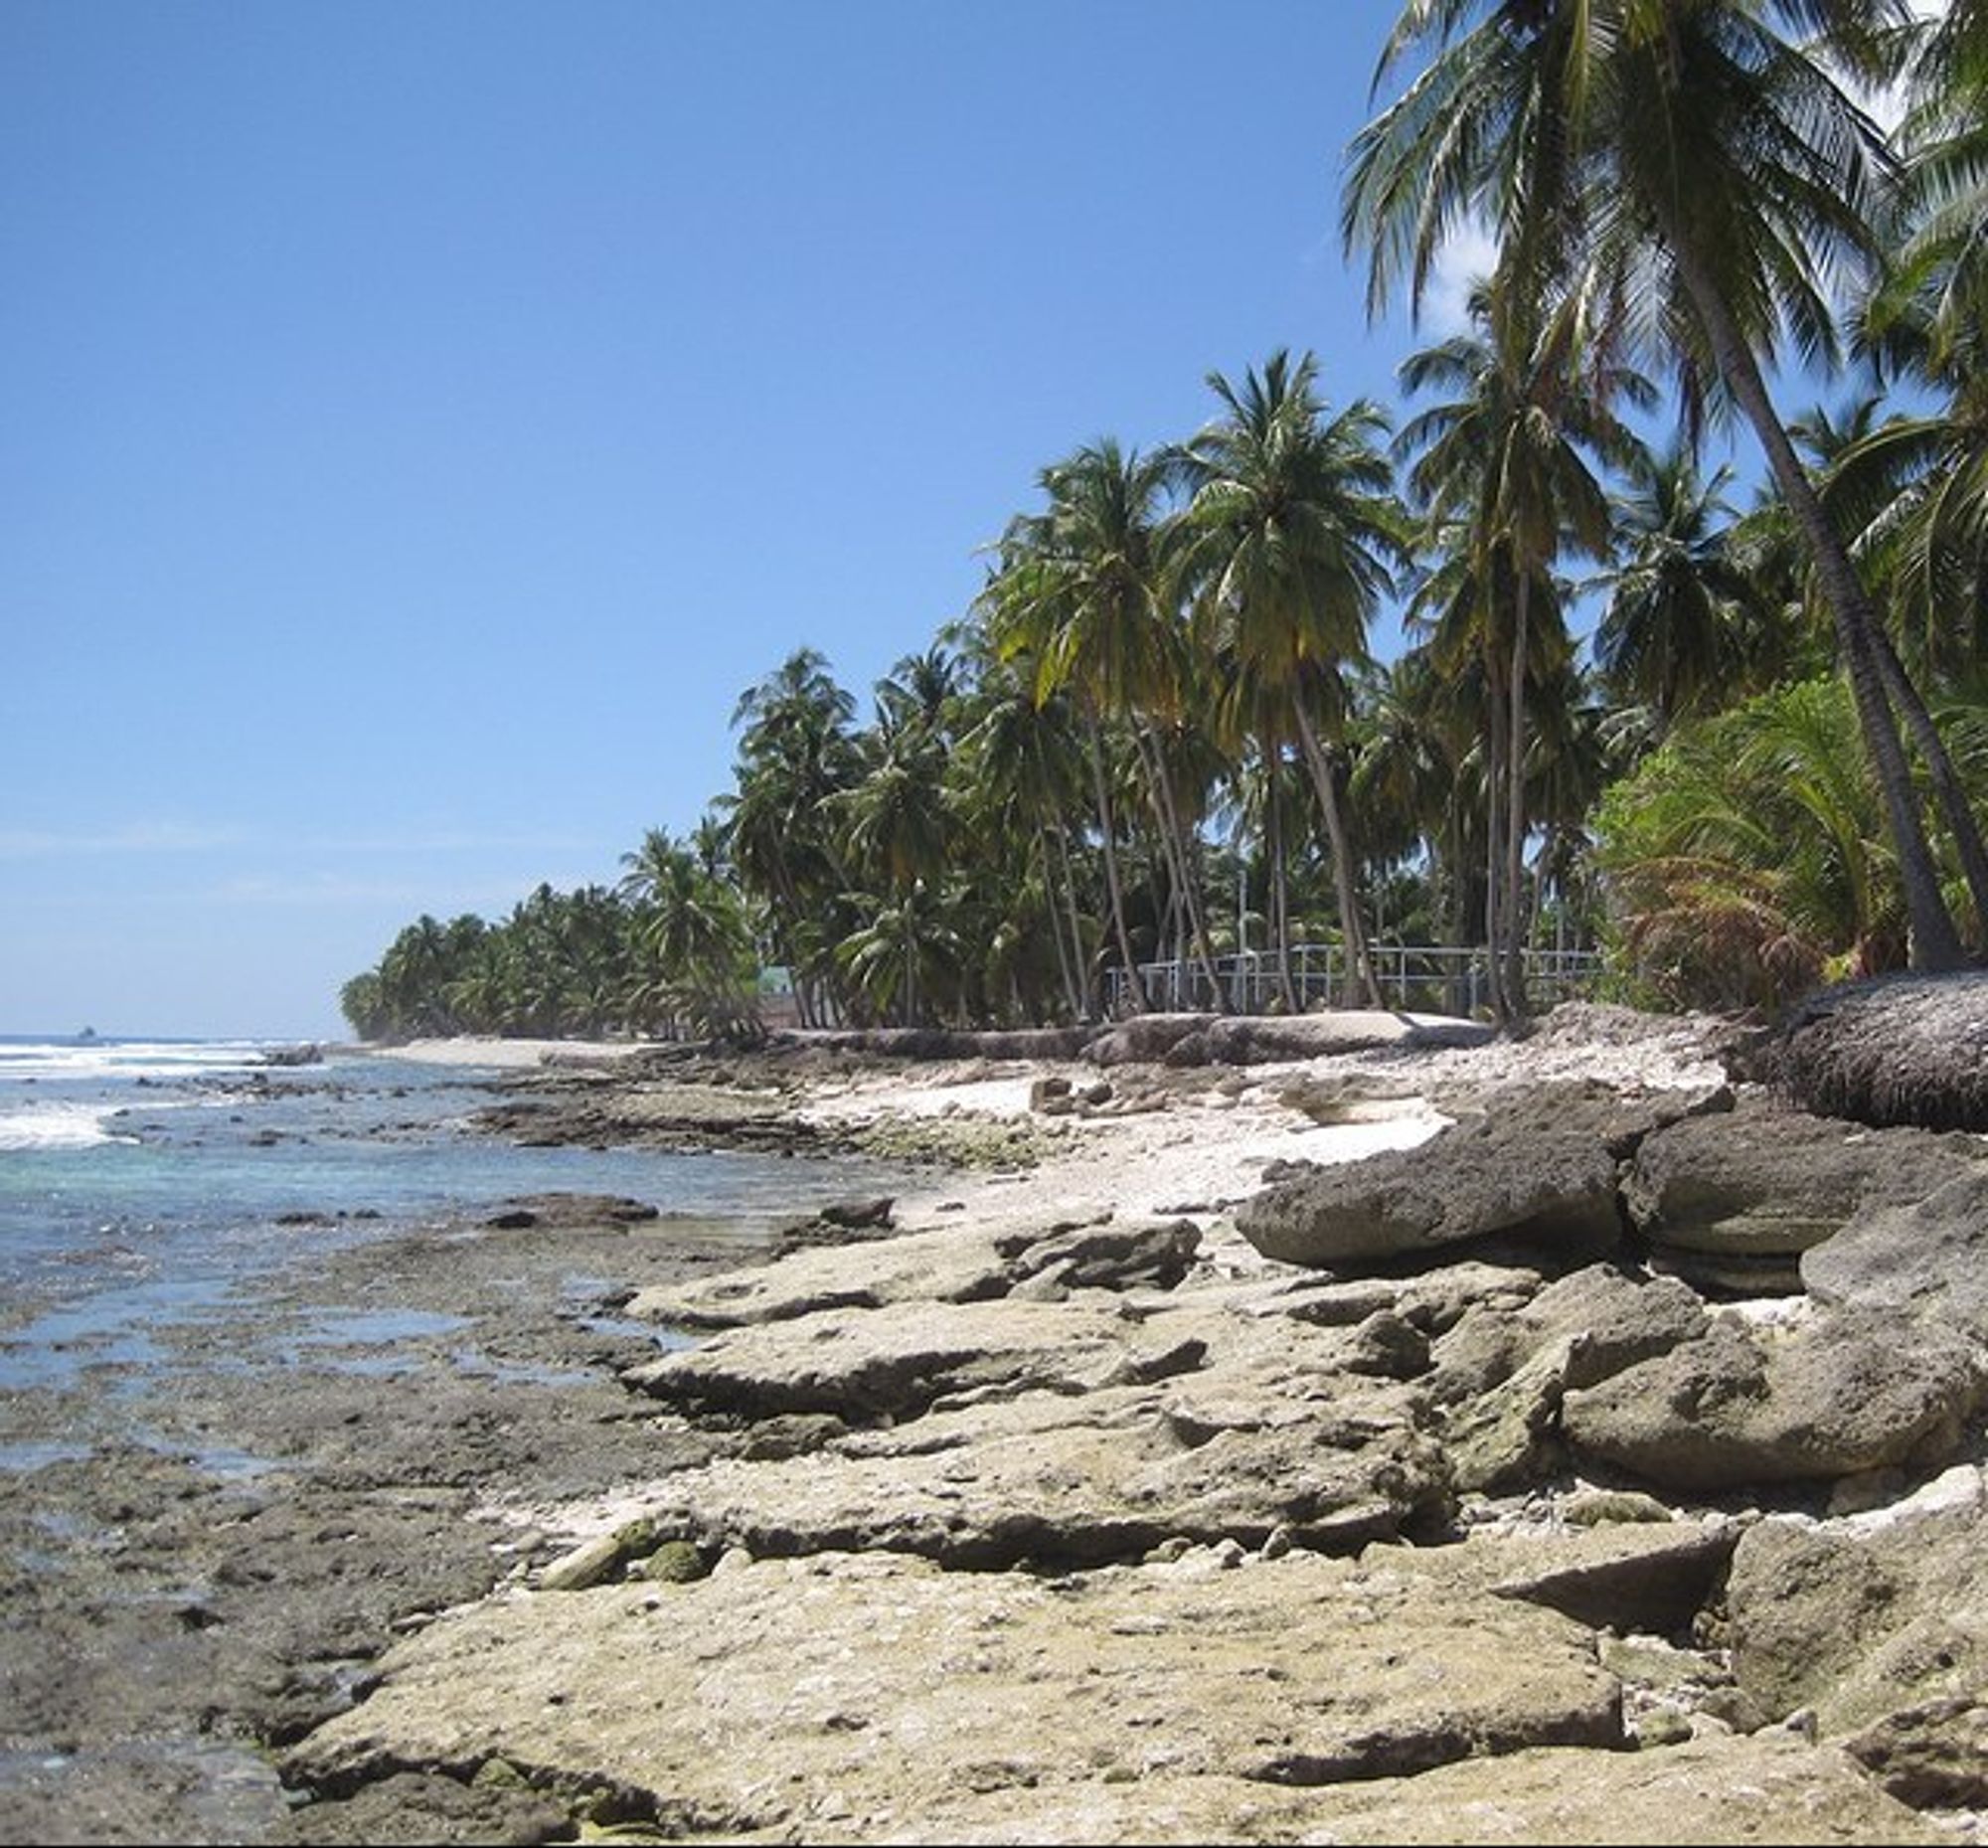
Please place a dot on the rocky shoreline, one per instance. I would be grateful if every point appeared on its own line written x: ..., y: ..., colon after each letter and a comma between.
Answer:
x: 1405, y: 1439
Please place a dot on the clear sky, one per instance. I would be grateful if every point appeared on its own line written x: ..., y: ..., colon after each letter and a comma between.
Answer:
x: 419, y: 423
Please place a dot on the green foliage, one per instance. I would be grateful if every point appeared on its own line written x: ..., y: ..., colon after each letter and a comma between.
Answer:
x: 1747, y: 860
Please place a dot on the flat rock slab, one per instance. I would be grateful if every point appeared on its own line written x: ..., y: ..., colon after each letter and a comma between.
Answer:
x: 1628, y: 1575
x: 1067, y: 1480
x: 895, y: 1363
x: 950, y: 1265
x: 839, y: 1693
x: 957, y: 1263
x: 1770, y: 1788
x: 1072, y: 1432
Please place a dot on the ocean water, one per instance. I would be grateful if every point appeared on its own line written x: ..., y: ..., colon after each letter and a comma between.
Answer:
x: 142, y: 1180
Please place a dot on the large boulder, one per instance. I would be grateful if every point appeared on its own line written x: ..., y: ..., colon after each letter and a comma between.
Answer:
x: 1540, y: 1166
x: 1900, y: 1049
x: 1839, y: 1394
x: 1732, y: 1202
x: 1501, y: 1374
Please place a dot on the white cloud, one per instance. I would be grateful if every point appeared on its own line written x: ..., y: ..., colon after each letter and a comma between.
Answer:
x: 166, y: 837
x: 180, y: 837
x: 1464, y: 261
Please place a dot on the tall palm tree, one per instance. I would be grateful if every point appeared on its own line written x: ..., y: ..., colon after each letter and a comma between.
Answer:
x: 1080, y: 591
x: 1939, y: 274
x: 1422, y: 760
x: 894, y: 823
x: 1502, y: 463
x: 1921, y: 484
x: 796, y: 752
x: 1712, y: 176
x: 1022, y: 760
x: 1682, y: 611
x: 1289, y: 534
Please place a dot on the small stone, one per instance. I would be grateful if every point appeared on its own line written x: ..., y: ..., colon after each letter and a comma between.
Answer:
x: 1663, y: 1725
x: 1597, y: 1507
x: 674, y: 1562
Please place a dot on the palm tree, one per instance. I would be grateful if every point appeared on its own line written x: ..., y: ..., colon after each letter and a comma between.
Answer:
x: 907, y: 949
x: 1502, y: 466
x: 1421, y: 761
x: 796, y: 752
x: 1288, y: 535
x: 1939, y: 274
x: 1707, y: 173
x: 1081, y: 592
x: 1020, y: 758
x: 1682, y: 611
x: 894, y: 827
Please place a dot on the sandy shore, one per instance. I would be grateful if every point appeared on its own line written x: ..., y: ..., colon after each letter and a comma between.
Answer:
x: 487, y: 1051
x: 1190, y: 1140
x: 1198, y: 1142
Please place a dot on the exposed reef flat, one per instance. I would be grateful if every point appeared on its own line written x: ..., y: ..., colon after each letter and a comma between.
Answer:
x: 1578, y: 1482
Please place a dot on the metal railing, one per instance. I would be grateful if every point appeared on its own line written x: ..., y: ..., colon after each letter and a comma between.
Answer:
x: 1415, y: 979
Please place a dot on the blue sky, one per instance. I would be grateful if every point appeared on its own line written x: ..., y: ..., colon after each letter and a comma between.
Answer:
x: 419, y: 423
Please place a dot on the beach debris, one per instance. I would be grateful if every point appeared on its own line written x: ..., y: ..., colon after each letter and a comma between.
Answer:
x: 606, y: 1556
x: 1896, y: 1049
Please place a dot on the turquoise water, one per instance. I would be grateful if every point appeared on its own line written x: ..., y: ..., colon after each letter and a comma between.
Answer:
x: 140, y: 1181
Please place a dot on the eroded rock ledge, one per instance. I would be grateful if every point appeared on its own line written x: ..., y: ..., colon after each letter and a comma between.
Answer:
x: 1444, y: 1495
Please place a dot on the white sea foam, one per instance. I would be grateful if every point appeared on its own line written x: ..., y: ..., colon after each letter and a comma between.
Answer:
x: 58, y: 1124
x: 70, y: 1060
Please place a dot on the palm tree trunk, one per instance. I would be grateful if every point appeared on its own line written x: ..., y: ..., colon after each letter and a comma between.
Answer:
x: 1935, y: 944
x: 1953, y: 799
x: 1514, y: 805
x: 1173, y: 836
x: 1281, y: 923
x: 1066, y: 966
x: 1455, y: 898
x: 1088, y: 1008
x: 1497, y: 746
x: 1359, y: 969
x: 1136, y: 987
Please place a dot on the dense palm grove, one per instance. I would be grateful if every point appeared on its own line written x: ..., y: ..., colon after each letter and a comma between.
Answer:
x: 1159, y: 732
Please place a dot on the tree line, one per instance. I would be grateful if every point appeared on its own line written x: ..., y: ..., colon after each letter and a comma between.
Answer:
x: 1159, y: 731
